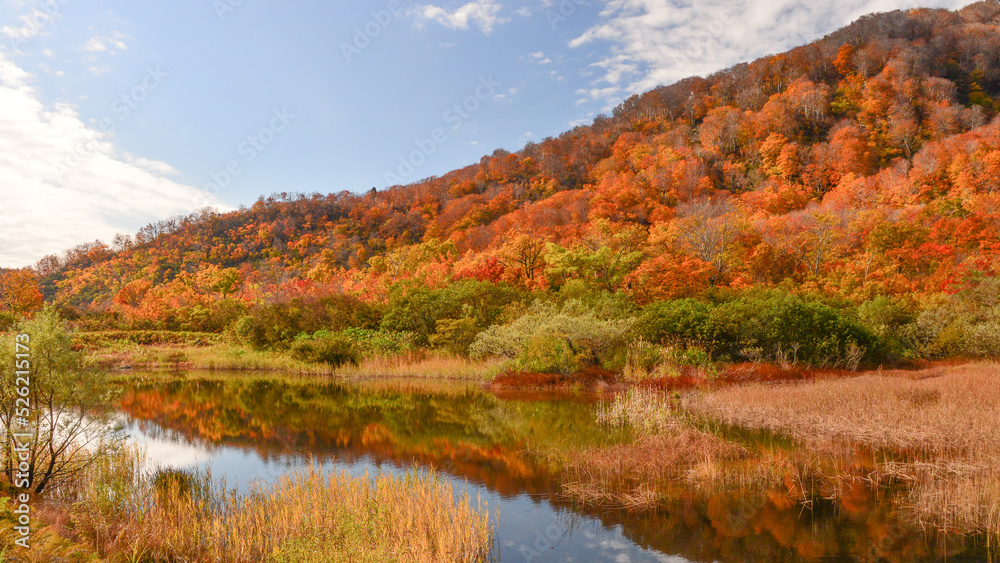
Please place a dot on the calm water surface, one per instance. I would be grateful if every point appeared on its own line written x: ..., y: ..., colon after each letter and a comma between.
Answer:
x: 256, y: 428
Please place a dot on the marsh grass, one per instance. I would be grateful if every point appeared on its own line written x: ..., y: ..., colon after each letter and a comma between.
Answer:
x: 216, y: 355
x: 436, y: 365
x: 643, y: 409
x: 929, y: 439
x: 936, y: 432
x: 642, y: 475
x: 129, y: 514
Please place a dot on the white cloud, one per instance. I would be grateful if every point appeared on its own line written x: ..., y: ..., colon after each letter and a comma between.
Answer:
x: 540, y: 58
x: 63, y: 183
x: 30, y: 25
x: 101, y: 43
x: 655, y: 42
x: 483, y: 14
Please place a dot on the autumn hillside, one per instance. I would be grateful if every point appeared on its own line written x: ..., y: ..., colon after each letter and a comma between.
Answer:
x: 859, y: 171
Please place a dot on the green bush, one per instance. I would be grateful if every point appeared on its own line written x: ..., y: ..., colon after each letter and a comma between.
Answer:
x: 455, y: 335
x: 888, y: 318
x: 334, y: 350
x: 682, y: 319
x: 275, y: 325
x: 555, y: 339
x: 370, y: 342
x: 761, y: 326
x: 416, y: 308
x: 962, y: 324
x: 784, y: 327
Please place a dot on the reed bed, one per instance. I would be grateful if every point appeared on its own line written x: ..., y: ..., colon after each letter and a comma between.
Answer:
x: 227, y: 356
x: 667, y: 456
x: 641, y: 475
x: 421, y: 365
x: 933, y: 434
x: 938, y: 432
x: 645, y: 410
x: 131, y: 515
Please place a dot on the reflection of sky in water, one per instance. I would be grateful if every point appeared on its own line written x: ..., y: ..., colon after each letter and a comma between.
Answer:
x: 527, y: 530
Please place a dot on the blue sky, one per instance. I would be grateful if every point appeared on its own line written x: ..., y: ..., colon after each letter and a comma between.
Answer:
x: 116, y: 113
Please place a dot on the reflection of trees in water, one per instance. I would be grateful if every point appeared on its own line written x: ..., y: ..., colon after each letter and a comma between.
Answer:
x: 477, y: 437
x: 459, y: 434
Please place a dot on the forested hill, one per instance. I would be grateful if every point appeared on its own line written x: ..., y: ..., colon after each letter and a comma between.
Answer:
x: 863, y: 164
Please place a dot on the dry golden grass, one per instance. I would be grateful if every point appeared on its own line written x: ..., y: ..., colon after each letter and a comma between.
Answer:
x: 306, y: 516
x: 645, y: 410
x: 944, y: 411
x: 641, y: 475
x: 227, y: 356
x: 425, y: 365
x: 938, y: 431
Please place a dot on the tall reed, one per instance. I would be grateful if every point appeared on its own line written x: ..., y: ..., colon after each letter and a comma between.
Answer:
x: 130, y: 514
x: 938, y: 432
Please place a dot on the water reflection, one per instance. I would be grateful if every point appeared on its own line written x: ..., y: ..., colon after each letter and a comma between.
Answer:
x: 255, y: 428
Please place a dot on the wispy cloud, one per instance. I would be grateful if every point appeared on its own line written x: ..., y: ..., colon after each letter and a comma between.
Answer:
x: 30, y: 25
x: 62, y: 182
x: 539, y: 57
x: 109, y: 43
x: 653, y: 42
x: 484, y: 14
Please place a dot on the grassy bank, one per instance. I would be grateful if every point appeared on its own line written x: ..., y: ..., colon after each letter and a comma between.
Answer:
x: 205, y: 351
x: 121, y: 512
x: 932, y: 436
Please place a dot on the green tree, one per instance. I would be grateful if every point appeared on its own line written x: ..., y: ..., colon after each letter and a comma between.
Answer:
x: 604, y: 257
x: 69, y: 404
x: 416, y: 308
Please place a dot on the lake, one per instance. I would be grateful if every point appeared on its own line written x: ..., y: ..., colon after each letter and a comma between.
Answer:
x: 252, y: 427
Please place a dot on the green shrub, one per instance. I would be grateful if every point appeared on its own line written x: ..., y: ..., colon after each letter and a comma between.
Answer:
x: 274, y: 325
x: 760, y: 326
x: 455, y: 335
x: 416, y: 308
x: 370, y: 342
x: 963, y: 324
x: 887, y: 318
x: 553, y: 339
x: 251, y: 332
x: 682, y: 319
x: 786, y: 328
x: 334, y: 350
